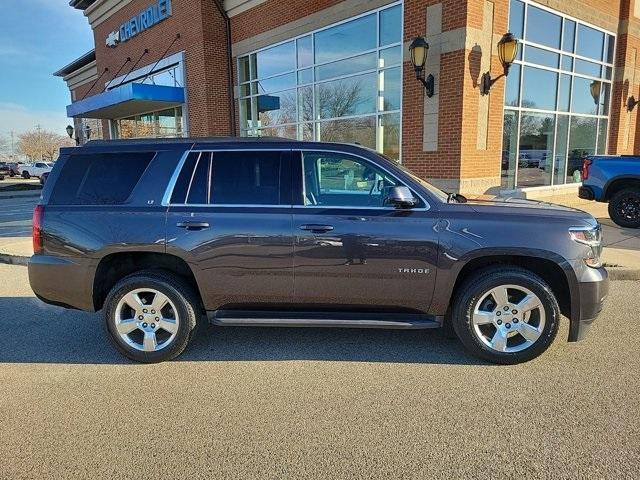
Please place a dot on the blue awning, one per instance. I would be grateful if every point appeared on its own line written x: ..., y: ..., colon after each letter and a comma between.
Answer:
x: 127, y: 100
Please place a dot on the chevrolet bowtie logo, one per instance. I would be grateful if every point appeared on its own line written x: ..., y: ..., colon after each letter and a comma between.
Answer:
x: 113, y: 39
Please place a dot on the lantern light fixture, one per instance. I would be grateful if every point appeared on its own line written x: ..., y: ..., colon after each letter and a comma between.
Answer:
x: 419, y: 49
x: 507, y: 52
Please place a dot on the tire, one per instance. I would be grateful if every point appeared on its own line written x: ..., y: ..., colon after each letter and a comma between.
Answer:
x: 624, y: 207
x: 26, y: 175
x: 481, y: 325
x: 179, y: 315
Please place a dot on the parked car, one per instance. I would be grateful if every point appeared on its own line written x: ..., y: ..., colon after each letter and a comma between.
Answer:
x: 284, y: 233
x: 614, y: 179
x: 35, y: 169
x: 5, y: 170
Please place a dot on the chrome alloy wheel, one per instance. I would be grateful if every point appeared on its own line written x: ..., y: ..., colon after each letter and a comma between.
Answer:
x: 508, y: 318
x: 146, y: 319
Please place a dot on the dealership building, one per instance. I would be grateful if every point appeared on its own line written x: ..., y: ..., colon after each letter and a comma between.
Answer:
x: 343, y: 71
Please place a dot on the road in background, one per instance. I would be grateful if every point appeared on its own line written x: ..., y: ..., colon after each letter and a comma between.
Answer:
x: 15, y: 216
x: 312, y: 403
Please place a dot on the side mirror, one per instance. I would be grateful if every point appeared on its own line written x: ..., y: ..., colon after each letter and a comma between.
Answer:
x: 400, y: 197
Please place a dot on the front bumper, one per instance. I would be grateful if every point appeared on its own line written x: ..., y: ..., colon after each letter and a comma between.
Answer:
x: 586, y: 193
x: 592, y: 292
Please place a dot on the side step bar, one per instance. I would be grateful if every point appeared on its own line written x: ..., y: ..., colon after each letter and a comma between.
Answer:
x: 245, y: 318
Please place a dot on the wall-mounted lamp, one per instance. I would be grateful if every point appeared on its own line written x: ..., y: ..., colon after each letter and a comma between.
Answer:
x: 507, y: 52
x: 631, y: 103
x: 418, y: 50
x: 70, y: 130
x: 594, y: 88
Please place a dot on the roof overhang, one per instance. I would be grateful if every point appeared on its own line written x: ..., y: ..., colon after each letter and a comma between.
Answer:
x: 127, y: 100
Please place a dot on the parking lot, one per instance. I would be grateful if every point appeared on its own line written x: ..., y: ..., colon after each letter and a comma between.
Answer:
x: 312, y: 403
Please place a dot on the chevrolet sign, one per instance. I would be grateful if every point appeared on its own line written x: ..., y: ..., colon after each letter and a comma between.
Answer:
x: 141, y: 22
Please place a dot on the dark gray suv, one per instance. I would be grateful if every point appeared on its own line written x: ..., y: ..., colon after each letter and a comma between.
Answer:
x: 161, y: 234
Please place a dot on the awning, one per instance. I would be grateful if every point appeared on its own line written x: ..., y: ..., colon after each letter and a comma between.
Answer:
x: 127, y: 100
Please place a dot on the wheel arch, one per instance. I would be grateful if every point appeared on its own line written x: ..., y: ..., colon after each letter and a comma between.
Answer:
x: 616, y: 184
x: 115, y: 266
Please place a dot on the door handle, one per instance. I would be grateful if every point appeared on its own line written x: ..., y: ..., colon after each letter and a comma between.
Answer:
x: 193, y: 225
x: 316, y: 228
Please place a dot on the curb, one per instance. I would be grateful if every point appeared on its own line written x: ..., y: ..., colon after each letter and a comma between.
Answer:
x: 14, y: 259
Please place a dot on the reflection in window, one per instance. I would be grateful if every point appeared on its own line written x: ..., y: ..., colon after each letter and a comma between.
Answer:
x: 165, y: 123
x: 535, y: 156
x: 341, y: 83
x: 512, y: 86
x: 509, y: 149
x: 562, y: 137
x: 590, y: 42
x: 516, y: 18
x: 582, y: 142
x: 539, y: 89
x: 583, y: 101
x: 543, y: 27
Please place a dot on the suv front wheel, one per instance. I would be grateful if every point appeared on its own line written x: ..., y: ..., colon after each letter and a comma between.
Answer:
x: 150, y: 316
x: 506, y: 315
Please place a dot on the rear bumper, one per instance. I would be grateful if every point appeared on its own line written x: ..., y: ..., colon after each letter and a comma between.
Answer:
x: 586, y: 193
x: 592, y: 293
x: 61, y: 281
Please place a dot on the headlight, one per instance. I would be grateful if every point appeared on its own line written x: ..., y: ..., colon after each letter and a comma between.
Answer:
x: 591, y: 236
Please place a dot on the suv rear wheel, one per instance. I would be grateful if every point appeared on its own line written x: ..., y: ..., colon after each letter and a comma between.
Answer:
x: 150, y: 316
x: 506, y: 315
x: 624, y: 208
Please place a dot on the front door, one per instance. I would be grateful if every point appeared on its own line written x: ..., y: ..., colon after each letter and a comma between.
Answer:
x: 230, y: 219
x: 352, y: 252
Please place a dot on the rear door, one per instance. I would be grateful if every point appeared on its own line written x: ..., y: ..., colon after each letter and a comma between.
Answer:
x: 230, y: 217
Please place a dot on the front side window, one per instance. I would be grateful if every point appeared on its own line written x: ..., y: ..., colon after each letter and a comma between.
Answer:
x: 230, y: 178
x: 341, y: 180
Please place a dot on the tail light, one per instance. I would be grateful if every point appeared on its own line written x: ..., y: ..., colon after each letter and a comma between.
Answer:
x: 586, y: 163
x: 36, y: 232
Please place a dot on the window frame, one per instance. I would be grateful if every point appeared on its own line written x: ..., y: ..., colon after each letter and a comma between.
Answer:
x: 285, y: 189
x: 299, y: 190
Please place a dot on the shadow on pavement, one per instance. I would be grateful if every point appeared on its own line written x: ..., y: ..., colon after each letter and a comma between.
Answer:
x: 33, y: 332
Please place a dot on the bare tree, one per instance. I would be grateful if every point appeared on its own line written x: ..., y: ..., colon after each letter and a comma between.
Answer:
x: 39, y: 144
x: 5, y: 149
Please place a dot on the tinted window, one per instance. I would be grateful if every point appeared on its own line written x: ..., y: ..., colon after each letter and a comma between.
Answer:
x: 99, y: 179
x: 198, y: 186
x: 246, y: 178
x: 179, y: 194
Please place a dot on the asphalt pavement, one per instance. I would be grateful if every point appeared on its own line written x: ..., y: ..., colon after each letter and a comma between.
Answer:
x: 312, y: 403
x: 15, y: 216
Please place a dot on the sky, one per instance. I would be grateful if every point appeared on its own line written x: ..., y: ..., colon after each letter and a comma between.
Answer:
x: 37, y: 38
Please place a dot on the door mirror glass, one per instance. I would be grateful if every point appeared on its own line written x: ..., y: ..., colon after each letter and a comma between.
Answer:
x: 400, y: 197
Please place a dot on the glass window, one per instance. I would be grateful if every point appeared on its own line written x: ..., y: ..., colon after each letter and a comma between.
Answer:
x: 537, y: 133
x: 509, y: 149
x: 390, y: 21
x: 361, y: 130
x: 99, y: 179
x: 582, y: 142
x: 512, y: 87
x: 305, y: 51
x: 275, y: 84
x: 567, y: 63
x: 274, y: 60
x: 245, y: 178
x: 179, y: 194
x: 243, y: 69
x: 568, y: 40
x: 198, y: 185
x: 334, y: 179
x: 588, y: 68
x: 562, y: 137
x: 389, y: 135
x: 516, y: 18
x: 604, y: 98
x: 166, y: 123
x: 390, y: 89
x: 543, y: 27
x: 603, y: 130
x: 305, y: 104
x: 277, y: 108
x: 305, y: 76
x: 348, y: 96
x: 541, y: 57
x: 565, y: 93
x: 611, y: 45
x: 346, y: 39
x: 390, y: 56
x: 582, y: 100
x: 347, y: 66
x: 590, y: 42
x: 539, y: 89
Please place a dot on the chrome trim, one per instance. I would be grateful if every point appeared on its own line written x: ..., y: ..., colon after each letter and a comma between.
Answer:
x: 174, y: 178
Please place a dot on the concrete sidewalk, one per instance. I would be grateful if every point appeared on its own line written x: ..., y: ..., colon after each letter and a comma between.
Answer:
x: 621, y: 252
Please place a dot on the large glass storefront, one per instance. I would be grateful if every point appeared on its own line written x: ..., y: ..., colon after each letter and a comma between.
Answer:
x: 163, y: 124
x: 557, y: 97
x: 342, y: 83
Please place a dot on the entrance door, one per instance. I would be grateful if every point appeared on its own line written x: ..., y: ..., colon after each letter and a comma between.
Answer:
x: 351, y: 250
x: 230, y: 219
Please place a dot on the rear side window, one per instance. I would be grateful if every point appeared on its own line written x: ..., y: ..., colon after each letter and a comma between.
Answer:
x: 230, y: 178
x: 99, y: 179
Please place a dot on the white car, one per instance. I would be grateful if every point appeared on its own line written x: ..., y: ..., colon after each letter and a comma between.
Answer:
x: 35, y: 169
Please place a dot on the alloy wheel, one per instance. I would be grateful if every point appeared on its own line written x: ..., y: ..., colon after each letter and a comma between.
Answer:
x: 146, y: 319
x: 508, y: 318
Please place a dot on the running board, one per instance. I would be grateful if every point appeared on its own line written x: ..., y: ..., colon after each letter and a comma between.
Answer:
x: 235, y: 318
